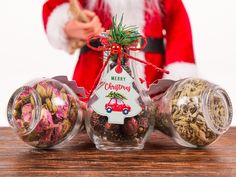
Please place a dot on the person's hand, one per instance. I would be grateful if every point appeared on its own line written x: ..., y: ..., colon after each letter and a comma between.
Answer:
x: 77, y: 30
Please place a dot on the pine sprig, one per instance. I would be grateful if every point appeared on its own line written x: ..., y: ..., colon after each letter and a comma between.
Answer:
x: 122, y: 34
x: 116, y: 95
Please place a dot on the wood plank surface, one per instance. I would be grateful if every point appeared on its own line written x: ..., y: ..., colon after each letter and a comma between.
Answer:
x: 160, y: 157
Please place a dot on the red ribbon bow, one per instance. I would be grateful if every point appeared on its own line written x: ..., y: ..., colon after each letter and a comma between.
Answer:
x: 117, y: 49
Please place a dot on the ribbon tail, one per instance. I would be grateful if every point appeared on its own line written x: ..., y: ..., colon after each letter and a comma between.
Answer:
x: 147, y: 63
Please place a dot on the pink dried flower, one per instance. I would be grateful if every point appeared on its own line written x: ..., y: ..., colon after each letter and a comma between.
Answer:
x: 60, y: 100
x: 58, y: 132
x: 45, y: 122
x: 27, y: 112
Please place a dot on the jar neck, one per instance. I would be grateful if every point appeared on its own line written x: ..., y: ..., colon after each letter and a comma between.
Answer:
x: 24, y: 96
x: 217, y: 109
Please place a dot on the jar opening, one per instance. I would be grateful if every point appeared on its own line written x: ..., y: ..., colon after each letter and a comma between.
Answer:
x: 23, y: 110
x: 218, y: 110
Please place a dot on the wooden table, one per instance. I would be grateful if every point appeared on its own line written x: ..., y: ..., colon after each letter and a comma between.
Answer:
x: 161, y: 157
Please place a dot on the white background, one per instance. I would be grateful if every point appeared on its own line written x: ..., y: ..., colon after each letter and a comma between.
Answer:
x: 26, y: 54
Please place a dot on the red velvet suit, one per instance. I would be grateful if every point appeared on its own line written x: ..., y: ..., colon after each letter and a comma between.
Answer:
x: 171, y: 18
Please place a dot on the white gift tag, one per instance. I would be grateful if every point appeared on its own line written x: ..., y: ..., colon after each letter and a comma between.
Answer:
x: 117, y: 99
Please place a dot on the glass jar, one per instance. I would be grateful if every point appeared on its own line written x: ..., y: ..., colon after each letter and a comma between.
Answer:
x: 134, y: 131
x: 45, y: 113
x: 194, y: 112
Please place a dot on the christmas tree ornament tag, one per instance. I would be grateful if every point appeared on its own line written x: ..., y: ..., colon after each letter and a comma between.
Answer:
x: 117, y: 99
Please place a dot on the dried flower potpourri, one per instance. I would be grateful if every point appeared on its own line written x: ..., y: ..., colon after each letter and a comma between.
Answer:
x: 45, y: 113
x: 194, y: 112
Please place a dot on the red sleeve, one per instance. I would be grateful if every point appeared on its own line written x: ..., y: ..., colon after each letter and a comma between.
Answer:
x: 179, y: 47
x: 50, y: 5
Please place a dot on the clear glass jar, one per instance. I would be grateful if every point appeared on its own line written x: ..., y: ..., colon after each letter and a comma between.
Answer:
x: 194, y: 112
x: 45, y: 113
x: 133, y: 133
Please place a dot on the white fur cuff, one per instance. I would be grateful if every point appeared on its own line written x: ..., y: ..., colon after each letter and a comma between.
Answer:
x: 55, y: 27
x: 180, y: 70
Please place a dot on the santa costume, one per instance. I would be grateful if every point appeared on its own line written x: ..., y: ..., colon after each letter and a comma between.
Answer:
x: 165, y: 23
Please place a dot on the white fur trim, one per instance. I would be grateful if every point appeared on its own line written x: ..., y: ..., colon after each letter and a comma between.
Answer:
x: 55, y: 27
x: 180, y: 70
x: 133, y: 11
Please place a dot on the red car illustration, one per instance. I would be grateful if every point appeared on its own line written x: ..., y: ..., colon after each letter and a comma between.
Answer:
x: 118, y: 105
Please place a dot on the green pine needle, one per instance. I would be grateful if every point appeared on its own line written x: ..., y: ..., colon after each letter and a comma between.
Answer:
x: 122, y: 34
